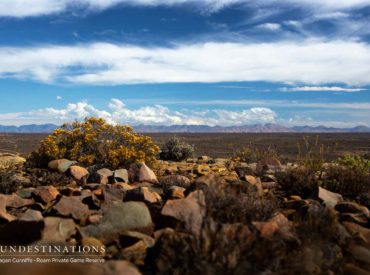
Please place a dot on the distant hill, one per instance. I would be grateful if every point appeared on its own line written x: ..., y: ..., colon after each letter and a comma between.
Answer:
x: 256, y: 128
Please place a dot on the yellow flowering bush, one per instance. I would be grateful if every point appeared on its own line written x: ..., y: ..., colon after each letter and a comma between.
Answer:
x: 95, y: 142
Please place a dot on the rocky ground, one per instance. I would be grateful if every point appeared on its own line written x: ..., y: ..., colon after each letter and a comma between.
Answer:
x: 214, y: 216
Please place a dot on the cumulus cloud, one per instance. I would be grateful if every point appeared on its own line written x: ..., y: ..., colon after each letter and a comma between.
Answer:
x: 23, y: 8
x: 322, y: 88
x: 118, y: 112
x: 311, y: 62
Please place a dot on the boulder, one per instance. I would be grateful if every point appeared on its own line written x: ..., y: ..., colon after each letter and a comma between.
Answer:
x: 175, y: 180
x: 205, y: 182
x: 60, y: 165
x: 190, y: 210
x: 140, y: 172
x: 120, y: 217
x: 45, y: 194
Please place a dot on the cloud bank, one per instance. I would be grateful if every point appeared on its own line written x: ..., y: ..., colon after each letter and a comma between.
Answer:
x: 118, y: 112
x: 322, y: 89
x: 310, y: 62
x: 24, y: 8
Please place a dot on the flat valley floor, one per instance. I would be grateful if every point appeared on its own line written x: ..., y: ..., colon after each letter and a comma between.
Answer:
x: 226, y: 144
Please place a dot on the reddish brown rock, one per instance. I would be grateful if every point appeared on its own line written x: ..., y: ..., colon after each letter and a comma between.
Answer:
x: 142, y: 194
x: 100, y: 176
x: 352, y: 207
x: 190, y: 210
x: 71, y: 207
x: 140, y: 172
x: 358, y: 231
x: 175, y: 192
x: 206, y: 181
x: 79, y: 173
x: 46, y: 194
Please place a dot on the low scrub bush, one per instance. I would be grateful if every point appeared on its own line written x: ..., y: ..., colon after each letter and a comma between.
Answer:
x: 349, y: 176
x: 176, y: 149
x: 95, y: 142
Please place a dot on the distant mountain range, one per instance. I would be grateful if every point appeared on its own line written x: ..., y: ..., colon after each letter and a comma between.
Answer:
x: 256, y: 128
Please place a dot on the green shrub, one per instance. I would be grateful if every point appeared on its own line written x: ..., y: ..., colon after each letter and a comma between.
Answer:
x: 311, y: 153
x: 95, y: 142
x: 349, y: 176
x: 176, y: 149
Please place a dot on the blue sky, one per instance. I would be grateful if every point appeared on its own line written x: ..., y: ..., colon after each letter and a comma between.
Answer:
x: 224, y: 62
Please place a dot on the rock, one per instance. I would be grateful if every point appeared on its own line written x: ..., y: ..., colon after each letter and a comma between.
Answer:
x: 252, y: 180
x: 26, y: 193
x: 351, y: 207
x: 46, y: 194
x: 31, y: 215
x: 277, y: 224
x: 71, y: 191
x: 60, y: 165
x: 10, y: 160
x: 4, y: 215
x: 358, y: 231
x: 92, y: 242
x: 354, y: 217
x: 329, y: 198
x: 269, y: 185
x: 360, y: 253
x: 190, y: 210
x: 142, y: 194
x: 71, y: 207
x: 79, y: 173
x: 120, y: 217
x: 205, y: 182
x: 15, y: 201
x: 57, y: 229
x: 120, y: 175
x: 119, y: 268
x: 112, y: 193
x: 351, y: 269
x: 202, y: 169
x: 139, y: 172
x: 175, y: 180
x: 175, y: 192
x: 244, y: 169
x: 100, y: 176
x: 268, y: 164
x: 204, y: 159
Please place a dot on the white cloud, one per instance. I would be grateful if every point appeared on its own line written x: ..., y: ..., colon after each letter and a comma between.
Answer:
x: 311, y: 62
x: 23, y: 8
x: 322, y: 88
x: 118, y: 112
x: 270, y: 26
x: 58, y: 97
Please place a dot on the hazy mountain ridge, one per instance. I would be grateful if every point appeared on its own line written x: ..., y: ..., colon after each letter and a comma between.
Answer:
x: 255, y: 128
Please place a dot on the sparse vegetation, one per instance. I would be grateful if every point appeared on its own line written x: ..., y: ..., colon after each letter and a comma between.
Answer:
x: 253, y: 153
x: 95, y: 142
x: 176, y: 149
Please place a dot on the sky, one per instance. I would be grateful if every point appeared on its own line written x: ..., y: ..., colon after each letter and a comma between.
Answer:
x: 172, y: 62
